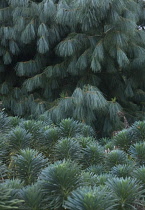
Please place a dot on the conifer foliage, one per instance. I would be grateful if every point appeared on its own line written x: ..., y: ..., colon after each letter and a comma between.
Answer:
x: 82, y: 59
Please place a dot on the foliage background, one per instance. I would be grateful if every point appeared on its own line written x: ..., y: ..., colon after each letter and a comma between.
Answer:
x: 82, y: 59
x: 64, y: 166
x: 74, y: 72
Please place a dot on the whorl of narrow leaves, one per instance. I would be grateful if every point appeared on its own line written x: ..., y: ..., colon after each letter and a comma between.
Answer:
x: 31, y: 196
x: 19, y: 138
x: 68, y: 149
x: 96, y: 169
x: 49, y: 137
x: 123, y: 140
x: 6, y: 201
x: 28, y: 165
x: 92, y: 155
x: 3, y: 171
x: 137, y: 152
x: 124, y: 170
x: 69, y: 128
x: 138, y: 131
x: 139, y: 174
x: 102, y: 179
x: 115, y: 157
x: 15, y: 185
x: 127, y: 192
x: 85, y: 141
x: 90, y: 198
x: 58, y: 180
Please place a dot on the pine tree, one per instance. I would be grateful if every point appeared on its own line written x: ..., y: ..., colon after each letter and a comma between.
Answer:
x: 29, y: 34
x: 82, y: 59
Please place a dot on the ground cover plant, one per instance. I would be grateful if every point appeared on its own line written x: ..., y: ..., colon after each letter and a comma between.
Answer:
x: 69, y: 167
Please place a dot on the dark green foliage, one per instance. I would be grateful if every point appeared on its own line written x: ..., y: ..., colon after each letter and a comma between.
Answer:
x: 28, y: 165
x: 32, y: 197
x: 87, y: 130
x: 93, y: 154
x: 104, y: 141
x: 15, y: 185
x: 90, y: 174
x: 127, y: 192
x: 137, y: 152
x: 88, y: 198
x: 19, y: 138
x: 32, y: 127
x: 138, y: 131
x: 88, y: 178
x: 103, y: 178
x: 57, y: 181
x: 90, y: 56
x: 4, y: 123
x: 96, y: 169
x: 124, y: 170
x: 110, y: 146
x: 123, y: 140
x: 3, y: 171
x: 115, y: 157
x: 73, y: 59
x: 85, y: 141
x: 14, y: 121
x: 69, y: 128
x: 6, y: 200
x: 4, y: 149
x: 139, y: 174
x: 48, y: 137
x: 68, y: 149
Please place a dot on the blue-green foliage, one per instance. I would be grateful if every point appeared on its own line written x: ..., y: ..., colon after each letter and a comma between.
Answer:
x: 73, y: 59
x: 54, y: 166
